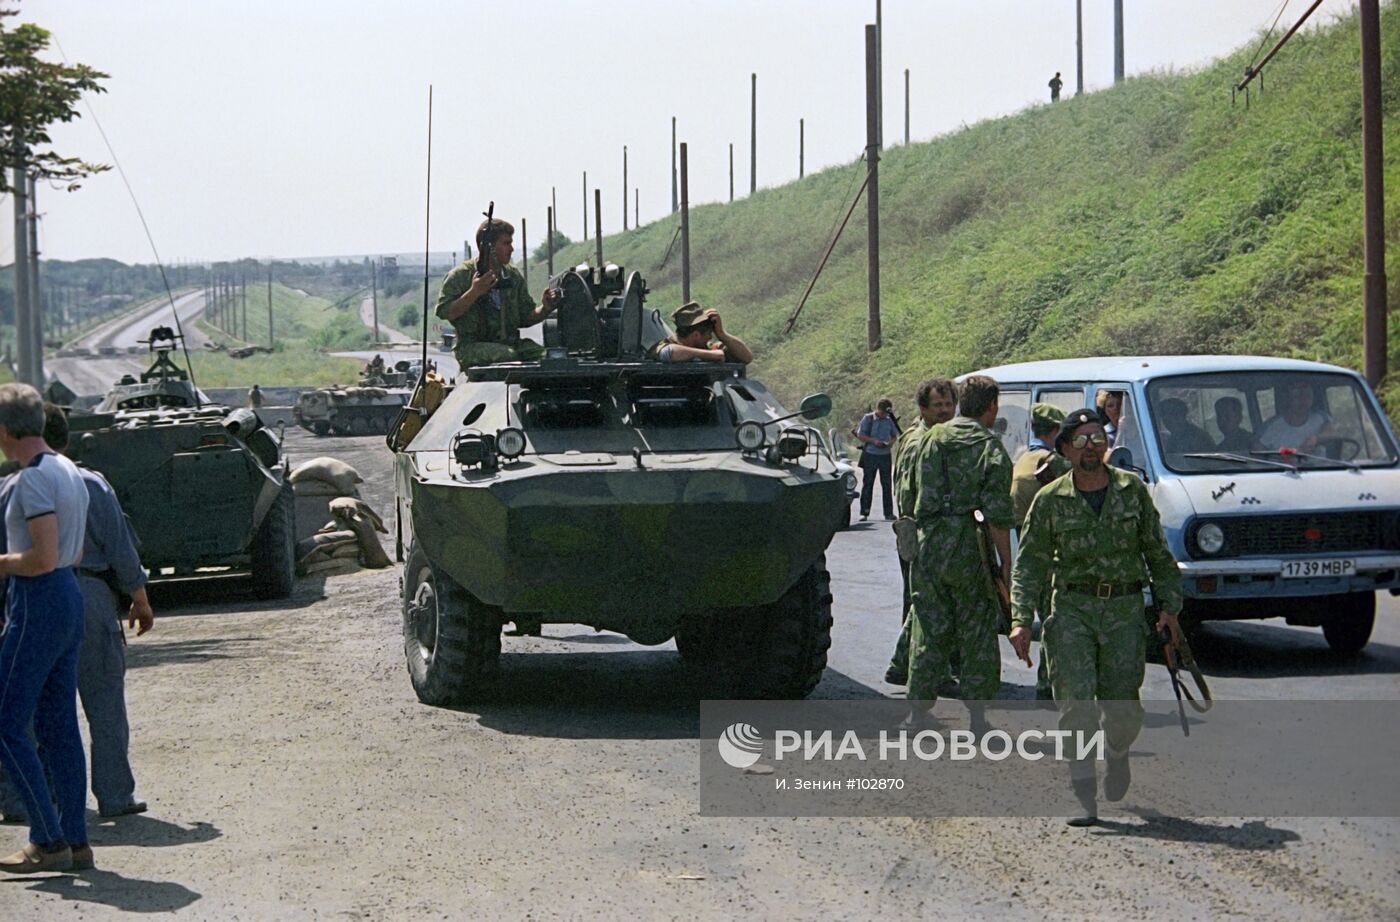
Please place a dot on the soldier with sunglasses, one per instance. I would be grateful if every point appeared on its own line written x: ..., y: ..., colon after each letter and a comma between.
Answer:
x: 1096, y: 537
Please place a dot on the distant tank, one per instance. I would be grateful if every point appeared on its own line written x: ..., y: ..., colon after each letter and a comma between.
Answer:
x: 601, y: 487
x: 204, y: 486
x: 366, y: 408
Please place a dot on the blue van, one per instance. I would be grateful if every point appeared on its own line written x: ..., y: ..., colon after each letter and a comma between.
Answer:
x: 1278, y: 480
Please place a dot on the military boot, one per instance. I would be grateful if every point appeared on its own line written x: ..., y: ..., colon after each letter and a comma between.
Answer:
x: 1117, y: 777
x: 1085, y: 785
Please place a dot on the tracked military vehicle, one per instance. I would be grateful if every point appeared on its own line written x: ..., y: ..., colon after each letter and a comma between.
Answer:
x: 599, y: 486
x: 204, y: 486
x: 368, y: 408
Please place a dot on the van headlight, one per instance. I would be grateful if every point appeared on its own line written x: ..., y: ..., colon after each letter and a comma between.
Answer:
x: 1210, y: 538
x: 849, y: 480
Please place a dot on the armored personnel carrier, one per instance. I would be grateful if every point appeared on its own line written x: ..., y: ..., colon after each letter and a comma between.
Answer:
x: 367, y: 408
x: 204, y: 486
x: 599, y: 486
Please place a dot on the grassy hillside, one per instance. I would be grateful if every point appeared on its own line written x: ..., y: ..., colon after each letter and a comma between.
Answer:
x: 305, y: 326
x: 1152, y: 217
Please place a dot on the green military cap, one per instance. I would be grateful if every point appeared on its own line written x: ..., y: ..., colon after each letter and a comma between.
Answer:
x: 688, y: 315
x: 1045, y: 415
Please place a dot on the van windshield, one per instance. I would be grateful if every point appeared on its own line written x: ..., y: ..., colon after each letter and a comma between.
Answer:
x: 1261, y: 420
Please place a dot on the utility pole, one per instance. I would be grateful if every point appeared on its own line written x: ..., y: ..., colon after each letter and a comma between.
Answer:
x: 373, y: 294
x: 1373, y: 190
x: 685, y: 229
x: 524, y: 253
x: 598, y: 233
x: 624, y: 187
x: 880, y: 74
x: 36, y: 306
x: 1079, y: 47
x: 906, y: 107
x: 872, y: 192
x: 554, y: 204
x: 731, y: 171
x: 24, y: 339
x: 271, y: 339
x: 1117, y: 41
x: 549, y: 241
x: 801, y: 147
x: 753, y: 134
x: 675, y: 199
x: 244, y: 289
x: 637, y: 205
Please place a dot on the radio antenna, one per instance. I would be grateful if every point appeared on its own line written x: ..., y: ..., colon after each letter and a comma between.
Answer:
x: 427, y: 223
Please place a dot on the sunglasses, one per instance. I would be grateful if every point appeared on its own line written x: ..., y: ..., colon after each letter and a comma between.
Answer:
x: 1098, y: 438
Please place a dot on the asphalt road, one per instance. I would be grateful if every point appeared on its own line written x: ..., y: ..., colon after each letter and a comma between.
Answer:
x: 95, y: 374
x: 293, y: 774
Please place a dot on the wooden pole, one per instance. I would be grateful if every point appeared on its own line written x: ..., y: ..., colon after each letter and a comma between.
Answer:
x: 1079, y: 47
x: 549, y: 240
x: 801, y: 147
x: 374, y: 294
x: 685, y: 228
x: 906, y: 107
x: 731, y: 171
x: 1373, y: 191
x: 1117, y: 41
x: 753, y: 134
x: 872, y: 192
x: 598, y: 231
x: 271, y: 337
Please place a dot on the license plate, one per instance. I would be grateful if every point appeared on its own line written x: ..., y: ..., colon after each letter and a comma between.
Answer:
x: 1311, y: 569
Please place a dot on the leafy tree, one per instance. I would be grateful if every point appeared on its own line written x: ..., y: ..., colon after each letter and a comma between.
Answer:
x: 410, y: 315
x: 541, y: 252
x: 34, y: 94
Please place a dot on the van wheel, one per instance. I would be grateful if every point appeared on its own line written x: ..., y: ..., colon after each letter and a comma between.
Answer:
x: 1348, y: 628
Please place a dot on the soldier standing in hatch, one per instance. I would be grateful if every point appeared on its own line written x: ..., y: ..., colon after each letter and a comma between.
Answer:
x: 1038, y: 466
x: 937, y: 401
x: 473, y: 304
x: 1095, y: 535
x: 962, y: 468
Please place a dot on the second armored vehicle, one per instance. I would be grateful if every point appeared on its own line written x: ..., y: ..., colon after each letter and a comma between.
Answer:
x: 204, y: 486
x: 364, y: 409
x: 602, y: 487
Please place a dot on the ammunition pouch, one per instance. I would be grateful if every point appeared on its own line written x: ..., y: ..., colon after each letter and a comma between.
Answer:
x: 906, y: 538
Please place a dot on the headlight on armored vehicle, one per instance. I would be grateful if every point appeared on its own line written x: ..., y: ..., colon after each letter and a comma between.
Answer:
x: 749, y: 435
x: 510, y: 443
x: 792, y: 445
x: 472, y: 449
x: 1210, y: 538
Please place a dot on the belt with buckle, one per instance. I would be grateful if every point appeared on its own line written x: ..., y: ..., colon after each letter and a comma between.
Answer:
x: 1103, y: 590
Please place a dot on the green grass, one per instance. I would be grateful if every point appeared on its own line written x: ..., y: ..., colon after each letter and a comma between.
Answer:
x: 1153, y: 217
x: 306, y: 328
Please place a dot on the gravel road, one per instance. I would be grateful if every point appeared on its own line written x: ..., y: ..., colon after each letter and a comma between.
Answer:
x: 292, y: 774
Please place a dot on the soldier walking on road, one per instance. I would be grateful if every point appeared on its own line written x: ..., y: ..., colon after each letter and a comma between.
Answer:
x: 1040, y: 465
x: 937, y: 400
x: 1095, y: 535
x: 255, y: 397
x: 1055, y: 84
x: 962, y: 468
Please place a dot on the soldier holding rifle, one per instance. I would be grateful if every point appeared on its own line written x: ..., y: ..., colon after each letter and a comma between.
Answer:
x: 486, y: 302
x: 1097, y: 536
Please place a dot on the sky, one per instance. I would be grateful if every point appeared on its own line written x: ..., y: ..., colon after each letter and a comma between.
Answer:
x: 299, y: 128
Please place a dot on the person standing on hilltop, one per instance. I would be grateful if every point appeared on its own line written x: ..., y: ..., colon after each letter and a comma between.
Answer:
x: 474, y: 303
x: 1055, y: 84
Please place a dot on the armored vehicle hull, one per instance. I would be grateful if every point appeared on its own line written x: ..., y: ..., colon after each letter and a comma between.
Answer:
x: 365, y: 409
x: 657, y: 501
x: 204, y: 486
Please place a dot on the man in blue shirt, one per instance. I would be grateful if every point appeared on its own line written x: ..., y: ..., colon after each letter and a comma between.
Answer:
x: 111, y: 566
x: 877, y: 433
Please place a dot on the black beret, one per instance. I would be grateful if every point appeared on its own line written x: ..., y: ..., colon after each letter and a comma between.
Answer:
x: 1074, y: 420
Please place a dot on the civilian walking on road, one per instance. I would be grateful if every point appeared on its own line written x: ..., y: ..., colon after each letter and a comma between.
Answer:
x: 44, y: 525
x: 877, y: 433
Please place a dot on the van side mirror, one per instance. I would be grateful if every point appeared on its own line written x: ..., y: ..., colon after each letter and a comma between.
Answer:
x: 1122, y: 458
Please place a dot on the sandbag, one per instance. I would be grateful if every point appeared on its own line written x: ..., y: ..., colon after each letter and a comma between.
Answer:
x: 322, y: 546
x: 322, y: 489
x: 329, y: 470
x: 346, y: 508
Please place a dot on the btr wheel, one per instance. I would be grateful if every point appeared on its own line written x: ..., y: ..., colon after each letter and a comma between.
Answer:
x: 359, y: 425
x: 1348, y: 627
x: 779, y: 650
x: 452, y: 642
x: 321, y: 427
x: 274, y: 548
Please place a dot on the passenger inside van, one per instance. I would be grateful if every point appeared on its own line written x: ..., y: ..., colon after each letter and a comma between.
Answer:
x: 1182, y: 436
x: 1299, y: 426
x: 1229, y: 417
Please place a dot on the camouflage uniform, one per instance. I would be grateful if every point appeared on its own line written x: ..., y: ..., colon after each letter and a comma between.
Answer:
x: 1096, y: 646
x: 904, y: 482
x: 479, y: 340
x: 962, y: 467
x: 1024, y: 486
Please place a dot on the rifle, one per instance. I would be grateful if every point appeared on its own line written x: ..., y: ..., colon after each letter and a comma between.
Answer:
x: 1178, y: 658
x: 486, y: 260
x: 991, y: 568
